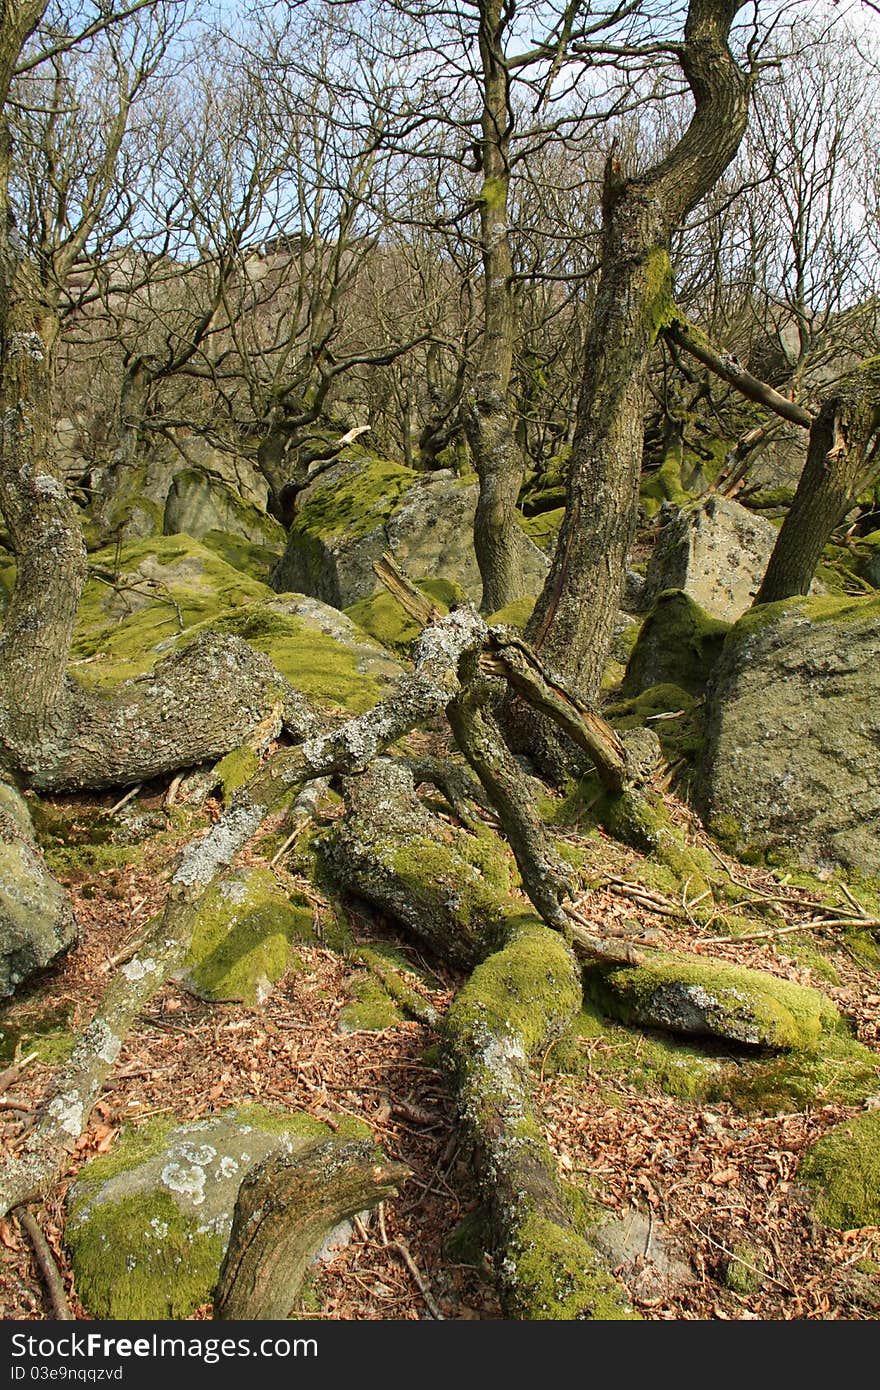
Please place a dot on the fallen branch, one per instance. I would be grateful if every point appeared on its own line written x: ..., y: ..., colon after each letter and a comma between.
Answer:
x: 48, y: 1268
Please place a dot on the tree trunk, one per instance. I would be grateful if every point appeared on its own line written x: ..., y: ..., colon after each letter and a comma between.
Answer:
x: 572, y: 623
x: 842, y: 458
x: 487, y: 419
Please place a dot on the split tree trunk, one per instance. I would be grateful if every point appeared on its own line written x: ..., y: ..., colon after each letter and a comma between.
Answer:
x: 842, y: 460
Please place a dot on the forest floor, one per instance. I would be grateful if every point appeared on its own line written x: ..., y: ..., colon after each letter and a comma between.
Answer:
x: 719, y: 1227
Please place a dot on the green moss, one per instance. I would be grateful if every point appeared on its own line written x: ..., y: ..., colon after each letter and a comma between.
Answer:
x: 171, y: 1275
x: 675, y: 715
x: 748, y: 1006
x: 840, y: 1072
x: 560, y: 1277
x: 649, y: 1062
x: 356, y: 503
x: 465, y: 882
x: 371, y: 1009
x: 678, y: 644
x: 383, y: 618
x: 255, y: 560
x: 242, y: 938
x: 143, y: 1255
x: 311, y: 660
x: 235, y: 769
x: 746, y: 1268
x: 660, y: 307
x: 821, y: 608
x: 515, y: 614
x: 543, y: 526
x: 843, y: 1169
x: 516, y: 990
x: 663, y: 485
x: 469, y: 1241
x: 36, y: 1023
x: 151, y: 591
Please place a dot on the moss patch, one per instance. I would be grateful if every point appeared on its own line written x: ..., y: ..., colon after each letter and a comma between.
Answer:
x: 559, y: 1276
x: 843, y: 1169
x: 371, y: 1009
x: 383, y: 618
x: 355, y: 503
x: 543, y: 526
x: 678, y: 644
x: 243, y: 936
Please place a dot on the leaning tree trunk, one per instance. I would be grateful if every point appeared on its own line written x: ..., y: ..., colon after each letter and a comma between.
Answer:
x: 572, y: 622
x: 842, y: 459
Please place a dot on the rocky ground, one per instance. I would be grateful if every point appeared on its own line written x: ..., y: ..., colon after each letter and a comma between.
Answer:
x: 694, y: 1148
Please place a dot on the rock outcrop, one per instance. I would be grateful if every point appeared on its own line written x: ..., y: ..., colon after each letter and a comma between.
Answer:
x: 792, y: 761
x: 36, y: 920
x: 717, y: 552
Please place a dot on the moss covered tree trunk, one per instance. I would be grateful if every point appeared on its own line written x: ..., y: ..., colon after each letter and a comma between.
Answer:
x: 842, y: 460
x: 572, y: 623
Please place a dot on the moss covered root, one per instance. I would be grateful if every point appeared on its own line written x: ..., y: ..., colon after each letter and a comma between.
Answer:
x: 517, y: 1000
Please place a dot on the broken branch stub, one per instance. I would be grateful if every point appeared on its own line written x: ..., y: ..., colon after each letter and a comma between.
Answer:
x: 287, y: 1207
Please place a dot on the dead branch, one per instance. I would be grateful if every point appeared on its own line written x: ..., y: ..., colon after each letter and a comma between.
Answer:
x: 48, y: 1268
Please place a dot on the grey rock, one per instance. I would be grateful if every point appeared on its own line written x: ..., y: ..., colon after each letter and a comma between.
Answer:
x: 717, y: 552
x: 793, y: 734
x: 36, y: 921
x: 356, y: 510
x: 197, y: 504
x: 168, y: 1199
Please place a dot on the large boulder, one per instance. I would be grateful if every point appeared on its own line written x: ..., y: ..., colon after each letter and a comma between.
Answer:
x: 130, y: 496
x: 198, y: 503
x: 678, y: 645
x: 361, y: 507
x: 36, y: 920
x: 148, y: 1224
x: 717, y: 552
x: 792, y: 762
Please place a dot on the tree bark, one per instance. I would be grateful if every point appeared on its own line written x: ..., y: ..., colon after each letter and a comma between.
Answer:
x: 842, y: 459
x: 286, y: 1208
x: 572, y: 623
x: 487, y: 419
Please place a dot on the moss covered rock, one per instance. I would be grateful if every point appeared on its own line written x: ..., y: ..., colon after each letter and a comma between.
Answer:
x: 363, y: 506
x: 792, y: 765
x: 678, y: 645
x: 683, y: 994
x: 153, y: 596
x: 198, y: 503
x: 244, y: 934
x: 843, y: 1170
x: 148, y: 1224
x: 383, y: 618
x: 36, y: 920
